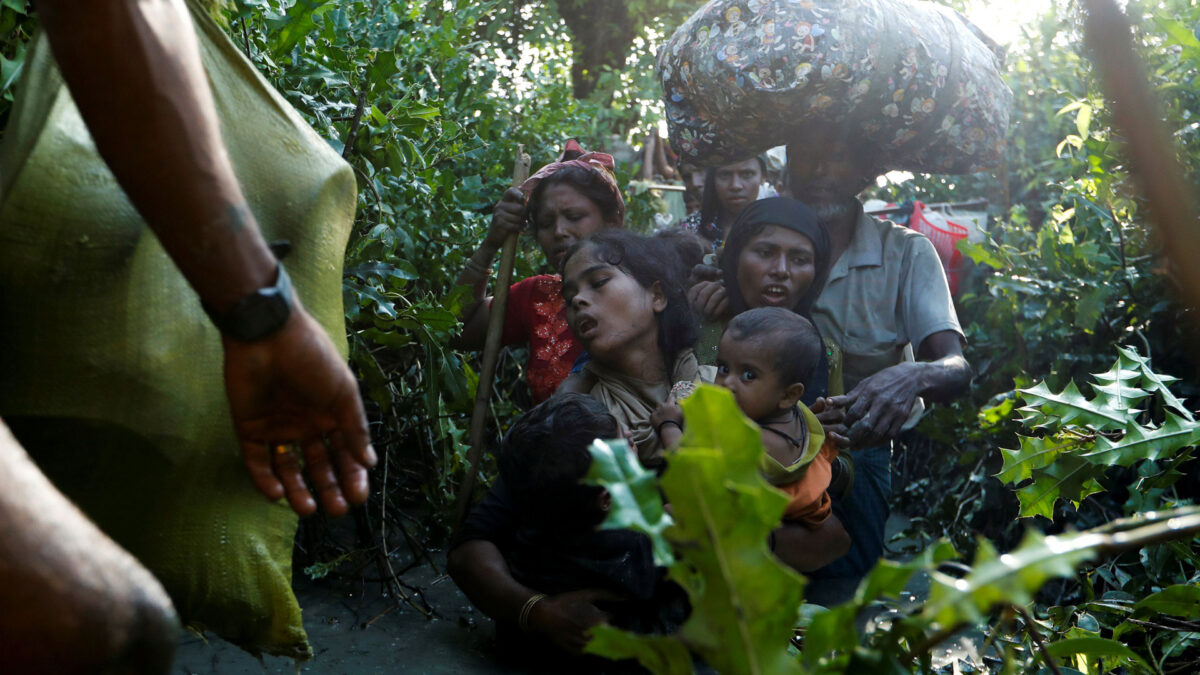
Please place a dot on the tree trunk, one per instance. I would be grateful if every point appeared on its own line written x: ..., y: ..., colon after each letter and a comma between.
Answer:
x: 603, y: 34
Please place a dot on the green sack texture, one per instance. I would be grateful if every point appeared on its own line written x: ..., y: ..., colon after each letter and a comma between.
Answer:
x: 111, y: 374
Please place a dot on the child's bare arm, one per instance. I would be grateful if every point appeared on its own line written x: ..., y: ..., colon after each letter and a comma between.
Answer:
x: 668, y: 422
x: 806, y: 549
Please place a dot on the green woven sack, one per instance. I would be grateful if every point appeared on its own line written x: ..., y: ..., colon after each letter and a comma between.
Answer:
x: 110, y: 373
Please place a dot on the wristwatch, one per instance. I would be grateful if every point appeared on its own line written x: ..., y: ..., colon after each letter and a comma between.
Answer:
x: 259, y: 314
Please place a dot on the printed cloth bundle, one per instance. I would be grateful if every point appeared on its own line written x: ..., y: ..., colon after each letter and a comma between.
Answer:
x: 914, y: 81
x: 110, y: 372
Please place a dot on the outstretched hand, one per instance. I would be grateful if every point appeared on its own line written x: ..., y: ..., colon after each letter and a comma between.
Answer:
x: 879, y: 406
x: 293, y: 389
x: 566, y: 618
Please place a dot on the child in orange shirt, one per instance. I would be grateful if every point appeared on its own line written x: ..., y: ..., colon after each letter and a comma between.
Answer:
x: 765, y: 356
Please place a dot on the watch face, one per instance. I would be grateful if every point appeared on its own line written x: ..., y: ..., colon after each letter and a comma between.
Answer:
x: 259, y: 314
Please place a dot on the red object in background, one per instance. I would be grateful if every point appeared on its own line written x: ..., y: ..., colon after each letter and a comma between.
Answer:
x: 945, y: 240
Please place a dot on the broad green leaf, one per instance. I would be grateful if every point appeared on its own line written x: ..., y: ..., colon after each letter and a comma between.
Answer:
x: 295, y: 25
x: 981, y: 254
x: 744, y: 601
x: 1089, y: 649
x: 636, y: 503
x: 661, y: 654
x: 1182, y: 600
x: 1011, y: 578
x: 1083, y: 120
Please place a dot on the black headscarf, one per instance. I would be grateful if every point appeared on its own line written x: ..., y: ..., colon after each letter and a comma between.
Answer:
x: 782, y: 212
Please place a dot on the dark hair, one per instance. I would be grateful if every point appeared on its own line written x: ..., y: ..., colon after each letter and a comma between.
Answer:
x: 589, y: 183
x: 710, y: 206
x: 793, y: 339
x: 545, y: 454
x: 664, y: 258
x: 782, y: 212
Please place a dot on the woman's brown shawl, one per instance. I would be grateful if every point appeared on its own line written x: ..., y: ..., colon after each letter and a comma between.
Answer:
x: 632, y: 400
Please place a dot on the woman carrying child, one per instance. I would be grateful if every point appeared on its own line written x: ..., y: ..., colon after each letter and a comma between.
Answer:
x: 777, y: 255
x: 565, y: 202
x: 765, y: 358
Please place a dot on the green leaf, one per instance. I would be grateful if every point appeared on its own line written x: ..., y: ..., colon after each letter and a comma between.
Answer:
x: 1083, y: 120
x: 1011, y: 578
x: 1092, y: 647
x: 981, y: 254
x: 1071, y: 406
x: 295, y: 25
x: 636, y: 503
x: 1035, y: 453
x: 1182, y: 600
x: 1071, y: 478
x: 744, y: 601
x: 659, y: 654
x: 1141, y: 443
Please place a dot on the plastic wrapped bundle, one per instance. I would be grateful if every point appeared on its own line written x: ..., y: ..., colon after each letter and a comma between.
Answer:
x: 914, y: 81
x: 111, y: 373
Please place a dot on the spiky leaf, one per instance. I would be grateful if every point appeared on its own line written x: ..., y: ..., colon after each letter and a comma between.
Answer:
x: 1071, y: 478
x: 1141, y: 443
x: 1011, y: 578
x: 1035, y: 453
x: 1070, y: 406
x: 636, y: 503
x: 744, y: 602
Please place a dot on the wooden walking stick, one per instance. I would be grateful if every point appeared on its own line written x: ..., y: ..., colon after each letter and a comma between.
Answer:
x: 491, y: 353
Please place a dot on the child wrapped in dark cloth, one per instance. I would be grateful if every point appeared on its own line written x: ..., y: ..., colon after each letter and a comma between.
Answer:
x: 530, y: 555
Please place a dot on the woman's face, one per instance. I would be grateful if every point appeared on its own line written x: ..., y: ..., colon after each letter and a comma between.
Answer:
x: 737, y: 185
x: 775, y: 268
x: 607, y: 309
x: 564, y: 217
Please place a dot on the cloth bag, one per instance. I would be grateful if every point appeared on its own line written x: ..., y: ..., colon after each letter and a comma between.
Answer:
x: 110, y: 372
x: 914, y: 81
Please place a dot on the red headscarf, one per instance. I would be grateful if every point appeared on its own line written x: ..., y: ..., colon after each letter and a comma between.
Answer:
x: 599, y: 162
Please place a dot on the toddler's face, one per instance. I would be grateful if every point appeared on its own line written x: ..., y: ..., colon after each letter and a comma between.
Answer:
x: 747, y: 368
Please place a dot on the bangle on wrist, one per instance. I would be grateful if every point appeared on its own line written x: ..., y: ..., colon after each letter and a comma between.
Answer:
x: 527, y: 609
x: 658, y: 429
x: 476, y: 270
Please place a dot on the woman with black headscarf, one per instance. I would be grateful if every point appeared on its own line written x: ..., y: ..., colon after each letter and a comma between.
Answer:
x: 776, y: 255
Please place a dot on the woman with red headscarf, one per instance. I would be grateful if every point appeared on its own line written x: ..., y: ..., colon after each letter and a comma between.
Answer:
x: 564, y: 202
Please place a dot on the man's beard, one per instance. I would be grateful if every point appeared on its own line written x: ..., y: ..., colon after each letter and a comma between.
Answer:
x: 830, y: 212
x: 830, y: 204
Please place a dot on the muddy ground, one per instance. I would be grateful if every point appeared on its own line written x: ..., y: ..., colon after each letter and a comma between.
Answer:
x: 354, y: 629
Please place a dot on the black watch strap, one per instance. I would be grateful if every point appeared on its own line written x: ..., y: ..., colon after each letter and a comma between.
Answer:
x: 259, y: 314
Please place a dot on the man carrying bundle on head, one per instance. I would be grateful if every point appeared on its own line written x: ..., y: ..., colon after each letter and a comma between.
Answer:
x: 854, y: 90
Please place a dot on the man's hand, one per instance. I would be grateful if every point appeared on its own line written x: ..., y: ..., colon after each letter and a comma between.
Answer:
x: 566, y: 618
x: 878, y: 407
x: 293, y: 388
x: 507, y: 219
x: 709, y: 300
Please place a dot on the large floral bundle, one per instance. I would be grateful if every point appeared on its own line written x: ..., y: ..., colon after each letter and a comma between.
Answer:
x: 913, y: 80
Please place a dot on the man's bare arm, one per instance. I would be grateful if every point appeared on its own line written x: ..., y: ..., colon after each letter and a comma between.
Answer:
x: 133, y: 68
